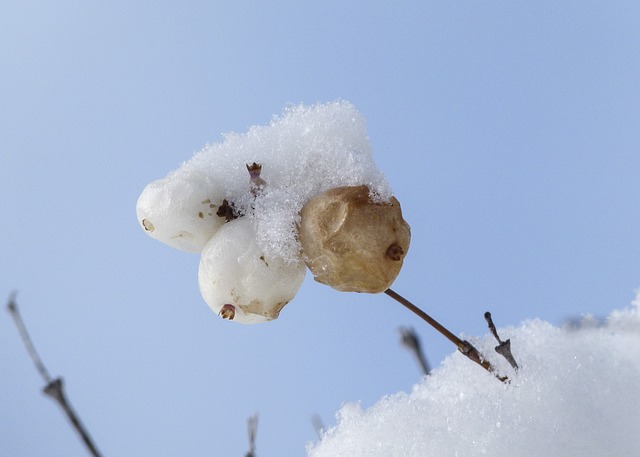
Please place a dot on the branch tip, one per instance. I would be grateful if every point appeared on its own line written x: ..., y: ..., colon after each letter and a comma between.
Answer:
x: 504, y: 347
x: 410, y: 340
x: 252, y: 424
x: 54, y: 387
x: 463, y: 346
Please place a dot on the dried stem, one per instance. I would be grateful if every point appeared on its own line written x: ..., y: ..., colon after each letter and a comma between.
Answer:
x: 318, y: 426
x: 504, y: 347
x: 26, y: 339
x: 463, y: 346
x: 54, y: 387
x: 253, y: 429
x: 411, y: 341
x: 256, y: 182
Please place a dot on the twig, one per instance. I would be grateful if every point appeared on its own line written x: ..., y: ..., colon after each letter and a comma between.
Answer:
x: 26, y: 339
x: 253, y: 429
x: 54, y: 387
x: 318, y: 426
x: 463, y: 346
x: 410, y: 340
x: 504, y: 347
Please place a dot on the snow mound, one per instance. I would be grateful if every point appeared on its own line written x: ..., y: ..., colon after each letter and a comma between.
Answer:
x: 577, y: 393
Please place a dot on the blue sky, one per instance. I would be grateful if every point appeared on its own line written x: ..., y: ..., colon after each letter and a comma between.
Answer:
x: 508, y: 131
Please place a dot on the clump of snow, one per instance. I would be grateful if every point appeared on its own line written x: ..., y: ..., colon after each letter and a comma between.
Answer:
x: 577, y: 393
x: 264, y: 176
x: 303, y: 152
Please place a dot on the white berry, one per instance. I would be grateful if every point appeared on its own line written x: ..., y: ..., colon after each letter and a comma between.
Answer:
x: 180, y: 210
x: 239, y: 281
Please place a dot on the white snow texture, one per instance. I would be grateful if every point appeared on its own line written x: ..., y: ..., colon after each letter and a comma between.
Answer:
x: 306, y: 151
x: 577, y: 393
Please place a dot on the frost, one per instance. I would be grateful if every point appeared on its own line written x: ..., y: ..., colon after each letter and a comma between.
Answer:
x: 576, y: 393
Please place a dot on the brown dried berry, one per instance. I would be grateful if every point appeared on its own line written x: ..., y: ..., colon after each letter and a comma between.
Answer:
x: 350, y: 242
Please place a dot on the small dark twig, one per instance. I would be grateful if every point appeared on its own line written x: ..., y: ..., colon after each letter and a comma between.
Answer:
x: 256, y: 181
x: 26, y: 339
x: 253, y: 429
x: 318, y: 426
x: 504, y: 347
x: 463, y: 346
x: 54, y: 387
x: 410, y: 340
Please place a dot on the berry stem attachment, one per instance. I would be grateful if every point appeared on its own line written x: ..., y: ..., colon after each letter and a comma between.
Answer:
x: 463, y: 346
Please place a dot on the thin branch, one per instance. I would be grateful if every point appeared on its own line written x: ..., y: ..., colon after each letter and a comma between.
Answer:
x: 54, y: 387
x: 318, y: 426
x: 463, y: 346
x: 504, y: 347
x: 410, y: 340
x: 253, y: 429
x: 26, y: 339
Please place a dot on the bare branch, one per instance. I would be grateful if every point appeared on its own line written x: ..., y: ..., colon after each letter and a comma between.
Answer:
x: 54, y: 387
x: 411, y: 341
x: 318, y: 426
x: 26, y: 339
x: 504, y: 347
x: 463, y: 346
x: 253, y: 429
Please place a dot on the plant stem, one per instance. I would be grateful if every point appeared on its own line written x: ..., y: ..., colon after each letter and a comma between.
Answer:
x: 54, y: 387
x: 463, y: 346
x: 411, y: 341
x: 26, y: 339
x: 504, y: 347
x: 253, y: 429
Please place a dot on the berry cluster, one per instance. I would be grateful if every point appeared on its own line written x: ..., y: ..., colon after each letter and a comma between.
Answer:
x: 258, y: 207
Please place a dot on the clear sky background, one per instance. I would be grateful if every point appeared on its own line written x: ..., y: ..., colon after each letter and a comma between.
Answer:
x: 509, y: 131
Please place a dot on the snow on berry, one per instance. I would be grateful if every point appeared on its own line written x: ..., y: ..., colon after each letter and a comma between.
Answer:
x: 240, y: 200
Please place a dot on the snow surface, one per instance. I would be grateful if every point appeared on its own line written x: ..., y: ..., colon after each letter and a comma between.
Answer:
x: 577, y: 393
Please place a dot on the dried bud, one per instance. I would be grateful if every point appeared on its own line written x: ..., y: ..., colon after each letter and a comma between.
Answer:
x: 257, y: 183
x: 350, y: 242
x: 228, y: 312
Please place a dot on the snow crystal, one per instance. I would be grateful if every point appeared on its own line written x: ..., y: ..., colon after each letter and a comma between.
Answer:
x: 576, y: 393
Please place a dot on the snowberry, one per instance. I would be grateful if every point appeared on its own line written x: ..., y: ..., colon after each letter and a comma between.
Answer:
x: 239, y: 281
x: 180, y: 210
x: 352, y: 243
